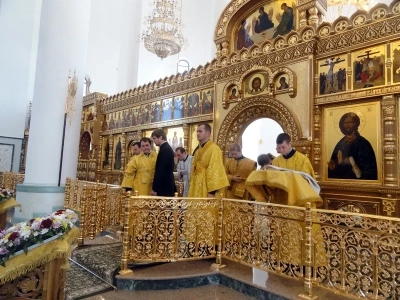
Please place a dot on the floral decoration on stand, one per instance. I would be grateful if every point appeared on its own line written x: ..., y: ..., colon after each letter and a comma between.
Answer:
x: 5, y: 194
x: 25, y: 234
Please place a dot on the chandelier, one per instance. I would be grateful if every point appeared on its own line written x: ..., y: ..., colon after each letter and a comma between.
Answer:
x: 163, y: 35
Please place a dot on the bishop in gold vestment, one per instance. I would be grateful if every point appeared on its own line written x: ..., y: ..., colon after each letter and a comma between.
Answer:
x: 143, y: 168
x: 238, y: 168
x: 208, y: 172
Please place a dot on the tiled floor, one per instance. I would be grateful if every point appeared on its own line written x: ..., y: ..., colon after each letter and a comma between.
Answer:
x: 209, y: 292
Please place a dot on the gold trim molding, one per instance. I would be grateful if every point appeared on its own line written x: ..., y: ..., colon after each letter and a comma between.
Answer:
x: 359, y: 94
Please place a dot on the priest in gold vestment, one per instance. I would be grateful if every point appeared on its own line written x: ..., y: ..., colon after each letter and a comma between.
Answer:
x: 290, y: 158
x: 238, y: 168
x: 143, y: 168
x: 208, y: 173
x: 127, y: 182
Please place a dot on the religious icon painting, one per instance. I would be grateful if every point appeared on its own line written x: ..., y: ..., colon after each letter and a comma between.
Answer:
x: 332, y: 74
x: 135, y: 119
x: 369, y: 67
x: 167, y: 107
x: 175, y: 137
x: 207, y: 100
x: 146, y: 113
x: 396, y: 61
x: 104, y: 124
x: 255, y: 84
x: 155, y: 112
x: 126, y: 115
x: 112, y: 122
x: 267, y: 21
x: 179, y: 107
x: 233, y: 93
x: 193, y: 104
x: 282, y: 83
x: 352, y: 142
x: 117, y: 159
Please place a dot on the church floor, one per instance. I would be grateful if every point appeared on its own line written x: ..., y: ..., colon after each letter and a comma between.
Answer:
x: 209, y: 292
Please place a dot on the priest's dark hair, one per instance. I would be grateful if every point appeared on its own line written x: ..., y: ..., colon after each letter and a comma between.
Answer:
x: 283, y: 137
x: 159, y: 133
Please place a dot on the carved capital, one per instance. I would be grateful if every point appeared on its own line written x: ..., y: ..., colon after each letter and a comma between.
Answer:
x: 389, y: 206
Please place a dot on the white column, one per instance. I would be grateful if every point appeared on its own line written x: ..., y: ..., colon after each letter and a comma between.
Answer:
x: 63, y: 36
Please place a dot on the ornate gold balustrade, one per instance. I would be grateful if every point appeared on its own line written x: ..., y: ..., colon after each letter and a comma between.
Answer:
x: 350, y: 254
x: 99, y: 205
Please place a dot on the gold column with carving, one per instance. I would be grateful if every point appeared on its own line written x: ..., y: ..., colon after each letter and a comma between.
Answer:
x: 123, y: 162
x: 302, y: 19
x: 110, y: 156
x: 186, y: 134
x: 390, y: 141
x: 317, y: 143
x: 388, y: 64
x: 225, y: 50
x: 99, y: 155
x: 313, y: 19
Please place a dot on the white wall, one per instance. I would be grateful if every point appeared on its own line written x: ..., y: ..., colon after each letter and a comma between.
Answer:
x: 19, y: 30
x: 199, y: 18
x: 112, y: 59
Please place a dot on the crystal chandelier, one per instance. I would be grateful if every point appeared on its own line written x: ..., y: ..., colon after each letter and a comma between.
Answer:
x: 163, y: 35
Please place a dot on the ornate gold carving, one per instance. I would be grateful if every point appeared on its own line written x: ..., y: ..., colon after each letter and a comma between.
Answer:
x: 373, y: 92
x: 389, y: 206
x: 253, y: 108
x: 207, y: 76
x: 346, y: 36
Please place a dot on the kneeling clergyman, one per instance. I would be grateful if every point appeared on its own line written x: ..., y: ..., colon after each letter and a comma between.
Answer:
x: 238, y: 168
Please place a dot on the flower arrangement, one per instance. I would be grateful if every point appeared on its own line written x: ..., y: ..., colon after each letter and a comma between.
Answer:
x: 5, y: 194
x: 25, y: 234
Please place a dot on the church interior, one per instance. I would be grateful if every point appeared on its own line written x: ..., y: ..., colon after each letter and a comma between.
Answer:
x: 80, y: 95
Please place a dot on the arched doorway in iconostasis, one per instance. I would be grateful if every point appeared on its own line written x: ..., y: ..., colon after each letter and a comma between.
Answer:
x: 259, y: 137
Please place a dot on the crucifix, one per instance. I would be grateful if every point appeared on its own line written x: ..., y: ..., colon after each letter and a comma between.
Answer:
x: 367, y: 54
x: 331, y: 62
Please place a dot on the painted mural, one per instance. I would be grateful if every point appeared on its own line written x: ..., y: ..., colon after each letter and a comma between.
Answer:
x: 267, y: 22
x: 179, y: 107
x: 207, y: 101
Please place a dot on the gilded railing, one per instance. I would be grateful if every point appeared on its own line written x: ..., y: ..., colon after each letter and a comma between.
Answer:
x: 11, y: 179
x: 362, y: 252
x: 99, y: 205
x: 356, y: 255
x: 170, y: 229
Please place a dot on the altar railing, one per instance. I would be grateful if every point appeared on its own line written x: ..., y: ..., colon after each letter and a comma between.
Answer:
x: 98, y: 205
x: 350, y: 254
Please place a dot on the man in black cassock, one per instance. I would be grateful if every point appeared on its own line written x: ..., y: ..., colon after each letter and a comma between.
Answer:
x: 164, y: 182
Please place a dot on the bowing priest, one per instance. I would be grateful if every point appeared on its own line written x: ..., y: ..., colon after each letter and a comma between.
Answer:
x: 164, y: 181
x: 143, y: 168
x: 127, y: 182
x: 290, y: 158
x: 208, y: 173
x: 238, y: 168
